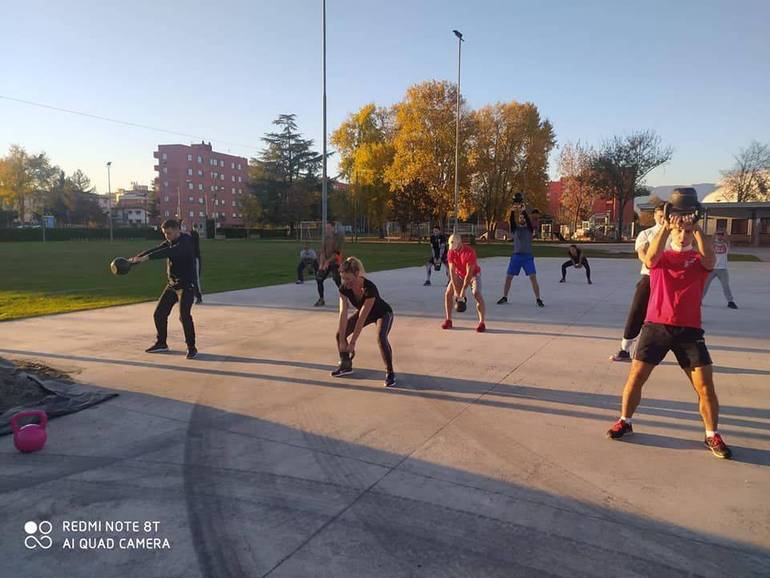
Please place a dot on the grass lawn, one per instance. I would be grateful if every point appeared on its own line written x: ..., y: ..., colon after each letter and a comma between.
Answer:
x: 41, y: 279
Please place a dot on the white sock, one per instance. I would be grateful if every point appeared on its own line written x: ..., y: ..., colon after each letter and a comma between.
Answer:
x: 626, y: 419
x: 626, y: 344
x: 710, y: 433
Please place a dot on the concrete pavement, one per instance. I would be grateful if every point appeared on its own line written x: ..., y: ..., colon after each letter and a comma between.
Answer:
x: 489, y: 459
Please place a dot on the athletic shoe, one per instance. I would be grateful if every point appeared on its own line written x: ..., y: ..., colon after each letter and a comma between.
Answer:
x: 447, y: 324
x: 199, y: 301
x: 319, y: 303
x: 619, y: 429
x: 298, y: 282
x: 732, y: 305
x: 590, y: 282
x: 343, y: 369
x: 390, y: 380
x: 502, y: 301
x: 718, y: 447
x: 540, y: 303
x: 427, y: 283
x: 481, y: 328
x: 157, y: 348
x: 562, y: 280
x: 192, y: 353
x: 621, y: 355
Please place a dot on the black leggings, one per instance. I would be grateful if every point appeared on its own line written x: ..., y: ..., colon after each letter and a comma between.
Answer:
x: 571, y: 263
x: 638, y: 310
x: 384, y: 324
x: 185, y: 296
x: 304, y: 264
x: 321, y: 276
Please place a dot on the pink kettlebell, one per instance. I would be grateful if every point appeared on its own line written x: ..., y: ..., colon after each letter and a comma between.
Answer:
x: 30, y: 437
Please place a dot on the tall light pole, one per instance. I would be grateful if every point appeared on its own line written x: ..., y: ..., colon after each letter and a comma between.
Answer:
x: 457, y: 130
x: 324, y: 185
x: 109, y: 196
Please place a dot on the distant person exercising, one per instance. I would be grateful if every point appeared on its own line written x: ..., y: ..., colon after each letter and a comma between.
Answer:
x: 721, y: 249
x: 198, y: 263
x: 522, y: 258
x: 438, y: 251
x: 179, y: 249
x: 464, y: 273
x: 362, y: 294
x: 307, y: 260
x: 576, y: 260
x: 329, y: 261
x: 638, y: 309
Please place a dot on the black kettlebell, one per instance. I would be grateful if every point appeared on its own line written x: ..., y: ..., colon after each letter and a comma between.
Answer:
x: 120, y: 266
x: 683, y: 201
x: 461, y: 305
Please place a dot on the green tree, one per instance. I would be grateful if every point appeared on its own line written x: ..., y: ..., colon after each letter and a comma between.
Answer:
x: 285, y: 175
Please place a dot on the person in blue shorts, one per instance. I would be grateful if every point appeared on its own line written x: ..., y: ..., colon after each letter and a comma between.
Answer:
x: 522, y: 258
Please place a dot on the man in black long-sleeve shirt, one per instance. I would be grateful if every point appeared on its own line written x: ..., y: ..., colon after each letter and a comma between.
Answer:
x: 179, y: 249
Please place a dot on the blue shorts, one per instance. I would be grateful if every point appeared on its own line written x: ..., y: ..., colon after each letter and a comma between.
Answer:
x: 519, y: 260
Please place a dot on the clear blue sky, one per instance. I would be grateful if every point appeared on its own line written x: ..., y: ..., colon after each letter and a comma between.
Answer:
x: 696, y: 71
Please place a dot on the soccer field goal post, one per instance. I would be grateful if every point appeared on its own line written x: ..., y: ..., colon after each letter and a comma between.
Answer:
x: 309, y: 231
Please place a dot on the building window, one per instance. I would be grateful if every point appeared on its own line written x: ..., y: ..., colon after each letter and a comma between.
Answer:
x: 233, y: 177
x: 190, y: 199
x: 200, y: 200
x: 164, y: 156
x: 201, y: 214
x: 200, y: 173
x: 239, y: 166
x: 190, y: 186
x: 232, y: 165
x: 233, y: 189
x: 166, y: 214
x: 165, y: 199
x: 234, y: 215
x: 239, y: 179
x: 189, y: 172
x: 200, y: 186
x: 192, y: 213
x: 739, y: 227
x: 165, y: 170
x: 234, y: 205
x: 222, y: 164
x: 165, y: 184
x: 189, y: 158
x: 221, y: 176
x: 200, y: 159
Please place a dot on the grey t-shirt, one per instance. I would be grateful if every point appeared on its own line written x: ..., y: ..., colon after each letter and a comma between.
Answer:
x: 522, y: 236
x: 307, y: 255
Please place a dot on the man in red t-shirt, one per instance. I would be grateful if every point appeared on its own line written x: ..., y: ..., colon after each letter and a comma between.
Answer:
x: 673, y: 323
x: 464, y: 272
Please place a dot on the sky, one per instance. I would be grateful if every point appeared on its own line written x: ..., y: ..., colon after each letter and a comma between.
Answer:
x: 695, y: 71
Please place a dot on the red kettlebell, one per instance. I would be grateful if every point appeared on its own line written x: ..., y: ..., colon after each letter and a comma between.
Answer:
x: 30, y: 437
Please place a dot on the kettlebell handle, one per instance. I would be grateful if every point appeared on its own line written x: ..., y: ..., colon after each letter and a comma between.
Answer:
x: 38, y: 413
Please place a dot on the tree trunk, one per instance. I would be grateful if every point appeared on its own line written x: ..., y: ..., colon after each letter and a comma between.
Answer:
x: 619, y: 219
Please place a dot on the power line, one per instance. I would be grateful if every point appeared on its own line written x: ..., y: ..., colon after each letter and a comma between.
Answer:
x: 122, y: 122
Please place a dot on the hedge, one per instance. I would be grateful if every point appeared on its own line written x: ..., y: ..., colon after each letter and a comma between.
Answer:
x: 78, y: 234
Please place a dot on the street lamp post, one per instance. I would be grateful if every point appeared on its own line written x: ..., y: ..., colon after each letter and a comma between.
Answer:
x: 109, y: 196
x: 457, y: 130
x: 324, y: 184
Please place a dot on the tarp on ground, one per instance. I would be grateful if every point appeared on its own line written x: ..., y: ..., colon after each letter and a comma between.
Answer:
x: 63, y: 398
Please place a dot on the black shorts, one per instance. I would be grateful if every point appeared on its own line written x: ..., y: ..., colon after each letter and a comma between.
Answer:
x: 687, y: 343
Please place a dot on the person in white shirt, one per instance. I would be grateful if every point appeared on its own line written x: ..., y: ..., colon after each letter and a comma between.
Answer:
x: 307, y: 259
x: 721, y: 249
x: 638, y: 310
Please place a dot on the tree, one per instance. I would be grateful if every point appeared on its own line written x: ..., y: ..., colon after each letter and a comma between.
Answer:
x: 424, y: 145
x: 25, y: 181
x: 364, y: 144
x: 509, y: 153
x: 252, y: 210
x: 411, y: 204
x: 749, y: 179
x: 619, y: 168
x: 285, y: 176
x: 579, y: 194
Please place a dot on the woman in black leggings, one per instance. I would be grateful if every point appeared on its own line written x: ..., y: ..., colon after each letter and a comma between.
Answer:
x: 577, y: 260
x: 370, y: 308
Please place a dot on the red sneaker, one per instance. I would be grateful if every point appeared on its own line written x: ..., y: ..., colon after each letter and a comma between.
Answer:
x: 481, y: 328
x: 718, y: 447
x: 447, y: 324
x: 619, y: 429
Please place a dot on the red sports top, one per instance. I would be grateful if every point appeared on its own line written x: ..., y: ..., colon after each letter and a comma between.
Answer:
x: 462, y: 259
x: 676, y: 289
